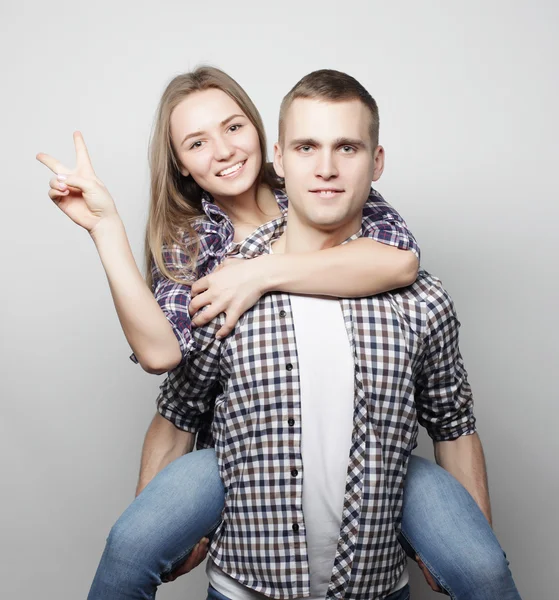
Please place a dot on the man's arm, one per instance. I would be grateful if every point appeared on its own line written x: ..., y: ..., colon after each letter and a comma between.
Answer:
x: 162, y: 445
x: 463, y: 458
x: 445, y: 403
x: 185, y: 402
x: 445, y: 408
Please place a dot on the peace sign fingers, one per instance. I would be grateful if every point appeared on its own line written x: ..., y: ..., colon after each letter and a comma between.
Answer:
x: 78, y: 192
x: 83, y: 162
x: 51, y: 163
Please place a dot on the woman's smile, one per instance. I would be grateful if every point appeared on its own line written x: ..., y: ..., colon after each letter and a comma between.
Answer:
x: 233, y: 170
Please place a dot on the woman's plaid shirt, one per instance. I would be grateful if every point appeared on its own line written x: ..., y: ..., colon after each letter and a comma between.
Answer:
x: 407, y: 368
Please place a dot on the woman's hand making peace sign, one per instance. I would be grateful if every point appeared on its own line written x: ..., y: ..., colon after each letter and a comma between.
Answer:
x: 78, y: 192
x: 80, y: 195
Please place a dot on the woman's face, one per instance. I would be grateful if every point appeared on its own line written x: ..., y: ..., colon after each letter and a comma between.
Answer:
x: 216, y: 143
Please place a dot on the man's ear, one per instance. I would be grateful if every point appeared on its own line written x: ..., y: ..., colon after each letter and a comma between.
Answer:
x: 278, y: 160
x: 378, y: 158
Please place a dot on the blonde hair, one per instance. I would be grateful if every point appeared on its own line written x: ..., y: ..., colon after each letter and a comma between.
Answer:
x: 333, y: 86
x: 176, y: 200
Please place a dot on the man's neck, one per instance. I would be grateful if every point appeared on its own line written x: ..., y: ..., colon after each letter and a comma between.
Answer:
x: 301, y: 237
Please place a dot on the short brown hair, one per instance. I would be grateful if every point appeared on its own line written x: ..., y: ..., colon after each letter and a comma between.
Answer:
x: 333, y: 86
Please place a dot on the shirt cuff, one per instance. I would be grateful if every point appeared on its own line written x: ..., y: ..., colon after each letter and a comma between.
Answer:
x: 185, y: 422
x: 448, y: 435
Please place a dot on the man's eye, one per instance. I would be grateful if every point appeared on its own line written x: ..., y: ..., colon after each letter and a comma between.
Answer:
x: 348, y: 149
x: 305, y: 149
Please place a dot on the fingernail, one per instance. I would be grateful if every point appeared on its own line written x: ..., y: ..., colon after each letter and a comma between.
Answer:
x: 61, y: 177
x: 62, y: 186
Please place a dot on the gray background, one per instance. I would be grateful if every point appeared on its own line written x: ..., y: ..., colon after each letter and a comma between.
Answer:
x: 468, y: 98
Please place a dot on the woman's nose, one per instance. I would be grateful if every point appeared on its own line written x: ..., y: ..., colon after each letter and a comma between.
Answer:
x: 223, y: 149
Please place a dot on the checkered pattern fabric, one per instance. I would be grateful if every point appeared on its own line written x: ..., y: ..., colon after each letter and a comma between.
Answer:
x: 407, y: 368
x: 215, y: 230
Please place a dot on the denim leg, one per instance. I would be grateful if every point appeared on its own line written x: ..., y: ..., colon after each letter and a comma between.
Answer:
x: 213, y: 594
x: 447, y: 530
x: 181, y: 505
x: 402, y: 594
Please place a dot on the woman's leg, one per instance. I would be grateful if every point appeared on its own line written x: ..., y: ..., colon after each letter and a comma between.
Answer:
x: 447, y: 530
x: 155, y: 534
x: 213, y: 594
x: 402, y: 594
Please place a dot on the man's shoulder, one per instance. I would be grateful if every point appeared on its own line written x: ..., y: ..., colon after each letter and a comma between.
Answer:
x: 427, y: 290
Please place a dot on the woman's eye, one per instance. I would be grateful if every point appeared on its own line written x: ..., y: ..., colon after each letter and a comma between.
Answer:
x: 195, y: 145
x: 235, y: 127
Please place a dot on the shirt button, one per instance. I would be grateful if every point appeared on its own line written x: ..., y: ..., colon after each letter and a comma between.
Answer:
x: 289, y: 367
x: 291, y: 422
x: 294, y: 473
x: 282, y: 313
x: 295, y: 527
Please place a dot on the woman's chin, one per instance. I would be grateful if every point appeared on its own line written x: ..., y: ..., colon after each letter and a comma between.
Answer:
x: 234, y: 187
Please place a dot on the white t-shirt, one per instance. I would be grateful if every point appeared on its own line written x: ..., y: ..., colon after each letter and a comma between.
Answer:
x: 326, y: 367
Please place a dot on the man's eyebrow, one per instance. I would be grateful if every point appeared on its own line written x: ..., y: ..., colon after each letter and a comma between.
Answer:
x: 344, y: 141
x: 198, y: 133
x: 304, y: 142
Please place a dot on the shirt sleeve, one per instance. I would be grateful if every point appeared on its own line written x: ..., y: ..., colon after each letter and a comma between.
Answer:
x: 382, y: 223
x: 187, y: 395
x: 443, y: 395
x: 173, y: 297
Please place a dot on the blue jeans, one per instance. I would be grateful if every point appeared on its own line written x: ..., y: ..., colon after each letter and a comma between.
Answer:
x: 403, y: 594
x: 183, y: 503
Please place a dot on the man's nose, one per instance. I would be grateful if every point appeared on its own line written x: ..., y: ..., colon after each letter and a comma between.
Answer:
x: 223, y: 149
x: 326, y: 166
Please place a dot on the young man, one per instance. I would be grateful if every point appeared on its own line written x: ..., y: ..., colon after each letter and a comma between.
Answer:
x: 320, y: 398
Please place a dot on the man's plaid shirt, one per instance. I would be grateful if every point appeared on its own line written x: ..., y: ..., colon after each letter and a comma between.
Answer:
x: 407, y: 368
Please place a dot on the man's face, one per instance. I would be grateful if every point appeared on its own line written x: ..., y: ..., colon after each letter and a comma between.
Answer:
x: 328, y: 161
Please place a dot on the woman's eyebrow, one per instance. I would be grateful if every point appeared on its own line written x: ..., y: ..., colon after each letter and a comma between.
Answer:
x: 225, y: 121
x: 190, y: 135
x: 198, y: 133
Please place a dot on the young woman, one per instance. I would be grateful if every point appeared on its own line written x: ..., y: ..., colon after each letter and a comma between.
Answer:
x: 210, y: 189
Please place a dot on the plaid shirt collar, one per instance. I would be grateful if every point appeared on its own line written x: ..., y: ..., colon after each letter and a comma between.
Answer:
x: 218, y: 216
x: 260, y: 241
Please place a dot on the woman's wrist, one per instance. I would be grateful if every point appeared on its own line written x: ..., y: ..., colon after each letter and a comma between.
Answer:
x: 275, y: 271
x: 107, y: 228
